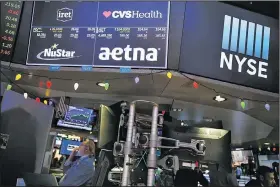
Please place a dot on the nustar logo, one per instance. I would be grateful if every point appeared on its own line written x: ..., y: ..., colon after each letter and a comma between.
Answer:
x: 248, y: 39
x: 53, y: 53
x: 129, y: 54
x: 153, y: 14
x: 64, y: 14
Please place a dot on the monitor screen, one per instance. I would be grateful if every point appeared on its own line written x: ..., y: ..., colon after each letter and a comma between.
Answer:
x: 240, y: 157
x: 67, y: 146
x: 78, y: 118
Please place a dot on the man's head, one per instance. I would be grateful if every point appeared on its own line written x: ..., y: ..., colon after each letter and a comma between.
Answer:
x: 266, y: 176
x: 87, y: 148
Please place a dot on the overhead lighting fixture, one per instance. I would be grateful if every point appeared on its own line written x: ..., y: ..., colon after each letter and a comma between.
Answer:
x: 239, y: 149
x: 177, y: 109
x: 219, y: 98
x: 267, y: 143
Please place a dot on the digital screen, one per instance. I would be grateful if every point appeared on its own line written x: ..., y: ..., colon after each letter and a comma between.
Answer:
x: 67, y: 146
x: 100, y: 34
x: 241, y: 157
x: 230, y: 44
x: 78, y: 118
x: 10, y: 16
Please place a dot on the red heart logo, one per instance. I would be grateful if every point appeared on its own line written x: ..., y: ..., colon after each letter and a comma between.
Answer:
x: 107, y: 14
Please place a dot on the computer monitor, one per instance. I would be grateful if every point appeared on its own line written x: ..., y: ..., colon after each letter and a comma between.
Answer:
x: 107, y: 127
x: 67, y: 146
x: 78, y: 118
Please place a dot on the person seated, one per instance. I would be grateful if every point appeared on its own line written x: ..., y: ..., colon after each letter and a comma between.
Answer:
x: 265, y: 177
x: 220, y: 177
x: 189, y: 177
x: 80, y: 171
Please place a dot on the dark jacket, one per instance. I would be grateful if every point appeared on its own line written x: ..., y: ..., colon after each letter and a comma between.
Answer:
x: 189, y: 177
x: 255, y: 183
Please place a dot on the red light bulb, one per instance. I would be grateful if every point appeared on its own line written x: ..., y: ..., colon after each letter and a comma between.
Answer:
x: 38, y: 99
x: 49, y: 84
x: 195, y: 85
x: 41, y: 84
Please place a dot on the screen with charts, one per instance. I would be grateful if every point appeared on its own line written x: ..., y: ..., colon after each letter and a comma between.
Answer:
x: 67, y: 146
x: 100, y: 34
x: 78, y: 118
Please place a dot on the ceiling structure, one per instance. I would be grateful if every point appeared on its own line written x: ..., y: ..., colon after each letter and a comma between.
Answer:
x: 252, y: 126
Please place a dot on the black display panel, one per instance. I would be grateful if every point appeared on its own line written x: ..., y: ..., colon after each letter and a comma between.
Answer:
x: 230, y: 44
x: 100, y: 34
x: 10, y: 17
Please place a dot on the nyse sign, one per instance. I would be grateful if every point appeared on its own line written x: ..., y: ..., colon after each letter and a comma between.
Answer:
x: 258, y: 44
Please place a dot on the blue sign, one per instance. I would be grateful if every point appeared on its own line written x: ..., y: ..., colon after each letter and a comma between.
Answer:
x: 125, y: 70
x: 100, y: 34
x: 86, y: 68
x: 54, y: 68
x: 230, y: 44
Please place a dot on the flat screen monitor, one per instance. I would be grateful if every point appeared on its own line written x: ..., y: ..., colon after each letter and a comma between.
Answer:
x: 78, y: 118
x: 241, y: 157
x: 108, y: 127
x: 67, y: 146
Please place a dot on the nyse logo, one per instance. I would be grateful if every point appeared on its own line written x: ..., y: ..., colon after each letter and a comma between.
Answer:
x: 64, y: 14
x: 246, y: 44
x: 153, y: 14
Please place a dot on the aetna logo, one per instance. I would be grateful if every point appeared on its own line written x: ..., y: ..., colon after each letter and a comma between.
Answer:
x: 53, y: 53
x: 248, y: 39
x: 64, y: 14
x: 129, y: 54
x: 153, y: 14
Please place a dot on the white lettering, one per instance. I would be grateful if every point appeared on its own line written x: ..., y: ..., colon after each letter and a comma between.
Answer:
x: 240, y: 63
x: 116, y: 54
x: 261, y: 69
x: 137, y: 14
x: 251, y: 64
x: 253, y: 70
x: 225, y: 59
x: 128, y: 54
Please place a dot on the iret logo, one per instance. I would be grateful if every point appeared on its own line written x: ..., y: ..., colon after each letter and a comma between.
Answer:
x: 64, y: 14
x: 242, y: 38
x: 54, y: 53
x: 128, y: 14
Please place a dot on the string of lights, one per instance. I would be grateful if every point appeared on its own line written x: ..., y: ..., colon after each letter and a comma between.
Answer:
x: 106, y: 84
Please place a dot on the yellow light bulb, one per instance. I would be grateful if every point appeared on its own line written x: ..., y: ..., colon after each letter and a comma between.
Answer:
x: 48, y: 91
x: 169, y: 75
x: 45, y: 102
x: 18, y: 77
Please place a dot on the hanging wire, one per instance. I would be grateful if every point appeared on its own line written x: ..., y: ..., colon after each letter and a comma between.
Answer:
x: 131, y: 77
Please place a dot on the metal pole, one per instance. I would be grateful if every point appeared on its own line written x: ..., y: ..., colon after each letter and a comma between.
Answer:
x: 128, y: 145
x: 152, y: 158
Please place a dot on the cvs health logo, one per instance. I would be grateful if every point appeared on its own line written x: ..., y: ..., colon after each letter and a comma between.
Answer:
x: 128, y: 14
x: 64, y: 14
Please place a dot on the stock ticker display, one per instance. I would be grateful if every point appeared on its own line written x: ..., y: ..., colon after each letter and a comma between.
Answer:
x: 10, y: 16
x: 100, y: 34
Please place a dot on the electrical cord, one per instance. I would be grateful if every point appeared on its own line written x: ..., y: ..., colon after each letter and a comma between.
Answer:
x: 132, y: 77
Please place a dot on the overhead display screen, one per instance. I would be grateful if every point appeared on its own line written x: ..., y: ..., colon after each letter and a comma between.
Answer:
x: 10, y: 15
x: 100, y: 34
x: 230, y: 44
